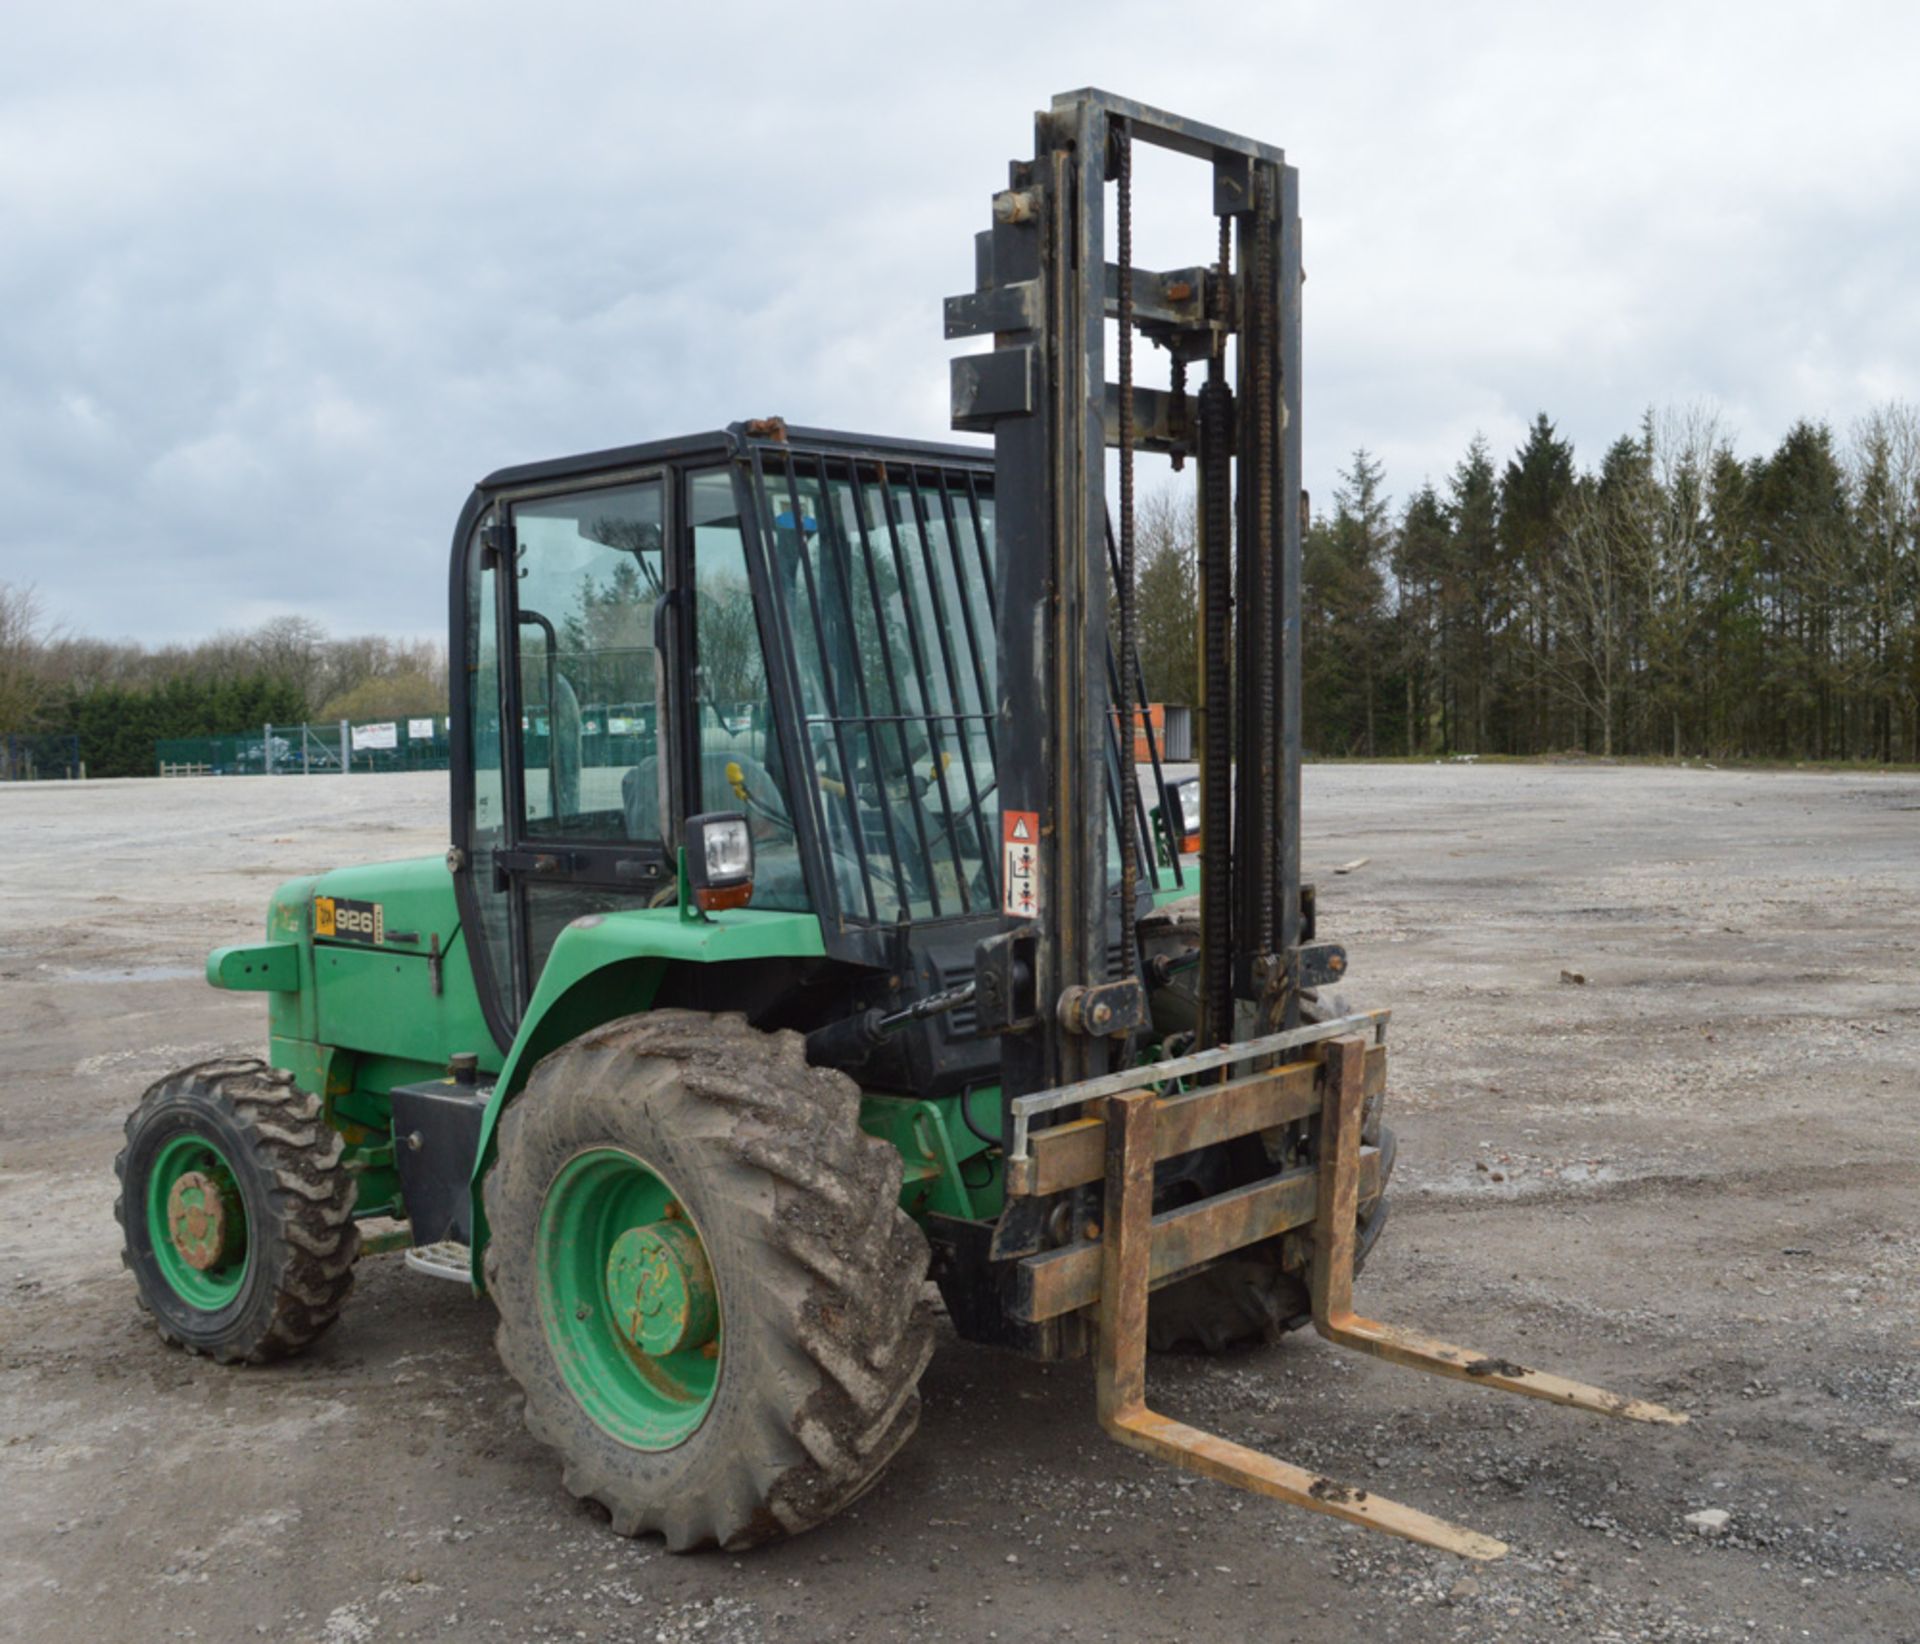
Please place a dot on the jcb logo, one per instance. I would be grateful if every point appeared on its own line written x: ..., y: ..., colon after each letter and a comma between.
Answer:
x: 337, y: 919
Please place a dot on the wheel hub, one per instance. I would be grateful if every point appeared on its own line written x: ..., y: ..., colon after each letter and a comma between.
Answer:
x: 661, y: 1288
x: 200, y: 1220
x: 628, y: 1299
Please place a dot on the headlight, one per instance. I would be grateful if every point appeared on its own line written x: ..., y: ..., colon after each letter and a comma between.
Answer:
x: 720, y: 860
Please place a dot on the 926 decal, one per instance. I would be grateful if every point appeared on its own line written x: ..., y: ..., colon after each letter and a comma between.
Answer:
x: 338, y: 919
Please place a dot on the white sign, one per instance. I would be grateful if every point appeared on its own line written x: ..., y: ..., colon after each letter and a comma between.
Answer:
x: 384, y: 735
x: 618, y: 726
x: 420, y: 730
x: 1020, y: 863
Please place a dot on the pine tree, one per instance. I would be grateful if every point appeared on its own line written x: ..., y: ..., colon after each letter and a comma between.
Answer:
x: 1343, y: 613
x: 1805, y: 539
x: 1476, y: 591
x: 1420, y: 559
x: 1534, y: 492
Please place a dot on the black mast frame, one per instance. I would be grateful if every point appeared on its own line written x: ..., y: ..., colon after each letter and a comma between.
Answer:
x: 1044, y: 289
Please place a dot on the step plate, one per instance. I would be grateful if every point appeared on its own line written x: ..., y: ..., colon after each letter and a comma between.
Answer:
x: 448, y: 1259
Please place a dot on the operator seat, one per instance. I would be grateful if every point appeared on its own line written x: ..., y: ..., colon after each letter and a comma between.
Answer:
x: 779, y: 881
x: 640, y: 795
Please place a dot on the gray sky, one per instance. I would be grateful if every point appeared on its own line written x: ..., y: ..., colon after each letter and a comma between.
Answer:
x: 278, y: 282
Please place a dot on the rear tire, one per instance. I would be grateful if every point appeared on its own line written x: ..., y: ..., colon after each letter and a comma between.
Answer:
x: 1248, y: 1296
x: 236, y: 1212
x: 799, y: 1381
x: 1242, y: 1298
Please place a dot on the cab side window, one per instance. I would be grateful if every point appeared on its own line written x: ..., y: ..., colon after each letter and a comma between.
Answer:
x: 591, y: 572
x: 740, y: 761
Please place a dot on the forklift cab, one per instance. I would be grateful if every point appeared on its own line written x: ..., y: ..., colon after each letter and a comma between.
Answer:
x: 787, y: 625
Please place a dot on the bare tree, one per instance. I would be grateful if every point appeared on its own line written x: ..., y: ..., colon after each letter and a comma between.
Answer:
x: 23, y: 646
x: 348, y: 664
x: 293, y: 648
x: 1167, y: 595
x: 1665, y: 528
x: 1628, y: 590
x: 731, y: 672
x: 1883, y: 467
x: 1587, y: 591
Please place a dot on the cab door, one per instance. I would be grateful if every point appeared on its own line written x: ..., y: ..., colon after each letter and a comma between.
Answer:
x: 590, y: 790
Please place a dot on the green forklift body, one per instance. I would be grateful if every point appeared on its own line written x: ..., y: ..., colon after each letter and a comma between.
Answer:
x: 369, y: 985
x: 792, y: 623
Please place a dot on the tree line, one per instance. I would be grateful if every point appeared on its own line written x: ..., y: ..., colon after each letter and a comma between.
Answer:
x: 1674, y: 599
x: 119, y: 697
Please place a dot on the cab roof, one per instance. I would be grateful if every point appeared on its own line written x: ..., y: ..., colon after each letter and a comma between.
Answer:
x: 770, y: 433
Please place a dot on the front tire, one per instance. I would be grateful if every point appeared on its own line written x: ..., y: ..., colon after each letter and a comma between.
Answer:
x: 707, y: 1290
x: 236, y: 1212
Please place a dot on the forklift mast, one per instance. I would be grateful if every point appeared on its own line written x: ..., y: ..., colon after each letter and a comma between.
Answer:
x: 1067, y: 1001
x: 1047, y: 282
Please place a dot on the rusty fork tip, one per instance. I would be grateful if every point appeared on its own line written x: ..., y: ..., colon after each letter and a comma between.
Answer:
x: 1658, y: 1414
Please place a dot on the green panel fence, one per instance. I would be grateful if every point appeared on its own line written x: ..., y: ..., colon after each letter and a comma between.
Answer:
x: 405, y: 744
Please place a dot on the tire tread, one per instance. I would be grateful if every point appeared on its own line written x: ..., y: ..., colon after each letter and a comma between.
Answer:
x: 841, y: 1299
x: 310, y: 1210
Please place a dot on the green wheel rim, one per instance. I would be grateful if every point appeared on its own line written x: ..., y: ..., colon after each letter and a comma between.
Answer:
x: 197, y: 1223
x: 627, y: 1299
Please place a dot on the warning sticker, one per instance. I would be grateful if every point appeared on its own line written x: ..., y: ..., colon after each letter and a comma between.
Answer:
x: 1020, y: 861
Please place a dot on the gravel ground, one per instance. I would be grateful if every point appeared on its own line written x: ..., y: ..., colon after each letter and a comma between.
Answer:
x: 1690, y: 1176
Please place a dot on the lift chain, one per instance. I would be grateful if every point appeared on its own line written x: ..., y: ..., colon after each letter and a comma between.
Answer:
x: 1129, y: 781
x: 1222, y: 293
x: 1265, y: 321
x: 1177, y: 411
x: 1214, y: 407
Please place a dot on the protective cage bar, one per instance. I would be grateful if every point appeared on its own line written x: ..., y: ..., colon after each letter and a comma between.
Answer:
x: 884, y: 577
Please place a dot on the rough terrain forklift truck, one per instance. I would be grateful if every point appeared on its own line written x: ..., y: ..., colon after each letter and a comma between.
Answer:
x: 806, y: 930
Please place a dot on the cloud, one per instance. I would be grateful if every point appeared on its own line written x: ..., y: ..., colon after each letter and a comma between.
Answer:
x: 279, y: 283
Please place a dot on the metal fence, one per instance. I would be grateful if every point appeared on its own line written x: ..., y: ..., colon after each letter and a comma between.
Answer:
x: 413, y: 744
x: 337, y: 749
x: 40, y: 758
